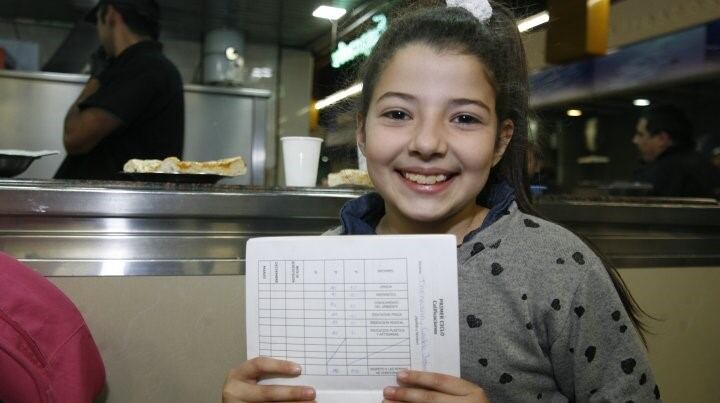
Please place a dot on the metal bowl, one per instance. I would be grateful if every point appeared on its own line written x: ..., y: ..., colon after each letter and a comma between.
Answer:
x: 13, y: 165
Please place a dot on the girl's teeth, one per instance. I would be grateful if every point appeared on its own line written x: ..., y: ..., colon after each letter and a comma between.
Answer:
x: 425, y: 179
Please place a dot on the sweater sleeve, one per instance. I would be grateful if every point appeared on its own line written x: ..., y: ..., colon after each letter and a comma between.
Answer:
x: 598, y: 355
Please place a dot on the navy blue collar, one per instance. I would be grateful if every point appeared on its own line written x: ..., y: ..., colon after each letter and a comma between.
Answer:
x: 361, y: 216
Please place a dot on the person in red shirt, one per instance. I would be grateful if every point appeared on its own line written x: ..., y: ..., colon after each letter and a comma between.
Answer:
x: 47, y: 353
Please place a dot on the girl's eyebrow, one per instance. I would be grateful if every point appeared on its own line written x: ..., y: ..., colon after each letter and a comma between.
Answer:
x: 401, y: 95
x: 453, y: 102
x: 468, y: 101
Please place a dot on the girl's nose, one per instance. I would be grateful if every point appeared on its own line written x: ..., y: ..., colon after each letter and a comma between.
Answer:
x: 429, y: 139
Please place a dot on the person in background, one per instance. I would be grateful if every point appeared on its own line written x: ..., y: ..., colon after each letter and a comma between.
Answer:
x: 541, y: 177
x: 708, y: 146
x: 133, y: 105
x: 716, y: 157
x: 664, y: 138
x: 715, y: 161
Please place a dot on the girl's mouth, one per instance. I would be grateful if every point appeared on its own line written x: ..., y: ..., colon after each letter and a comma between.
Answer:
x: 425, y: 179
x: 429, y: 182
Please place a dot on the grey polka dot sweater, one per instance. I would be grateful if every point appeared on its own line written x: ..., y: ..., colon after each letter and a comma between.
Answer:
x: 540, y: 318
x: 543, y: 321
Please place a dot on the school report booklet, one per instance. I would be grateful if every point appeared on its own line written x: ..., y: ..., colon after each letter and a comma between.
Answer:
x: 353, y: 310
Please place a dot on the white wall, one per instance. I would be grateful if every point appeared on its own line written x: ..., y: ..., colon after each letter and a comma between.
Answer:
x: 186, y: 55
x: 683, y: 341
x: 163, y: 339
x: 48, y: 37
x: 173, y: 339
x: 296, y: 77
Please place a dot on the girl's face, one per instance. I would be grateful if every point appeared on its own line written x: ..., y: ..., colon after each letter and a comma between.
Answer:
x: 431, y: 135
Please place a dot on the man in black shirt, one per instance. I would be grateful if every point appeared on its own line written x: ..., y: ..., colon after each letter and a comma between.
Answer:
x: 664, y: 138
x: 132, y: 106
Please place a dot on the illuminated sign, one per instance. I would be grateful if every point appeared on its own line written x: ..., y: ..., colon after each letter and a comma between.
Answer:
x: 346, y: 52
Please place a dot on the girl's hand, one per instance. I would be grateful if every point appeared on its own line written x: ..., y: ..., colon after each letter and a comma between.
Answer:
x: 241, y: 383
x: 418, y: 386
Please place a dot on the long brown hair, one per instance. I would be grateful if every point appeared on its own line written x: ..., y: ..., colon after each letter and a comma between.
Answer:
x: 496, y: 42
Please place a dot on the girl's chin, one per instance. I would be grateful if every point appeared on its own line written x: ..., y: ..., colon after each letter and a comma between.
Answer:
x: 424, y: 213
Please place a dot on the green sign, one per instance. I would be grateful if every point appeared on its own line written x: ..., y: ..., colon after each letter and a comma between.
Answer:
x: 363, y: 45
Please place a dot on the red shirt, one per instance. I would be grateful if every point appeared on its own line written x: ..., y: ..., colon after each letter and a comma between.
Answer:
x: 47, y: 353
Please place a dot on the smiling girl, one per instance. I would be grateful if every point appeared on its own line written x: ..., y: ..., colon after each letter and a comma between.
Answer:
x: 443, y: 125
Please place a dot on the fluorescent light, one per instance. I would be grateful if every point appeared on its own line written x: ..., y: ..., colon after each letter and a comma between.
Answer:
x: 338, y: 96
x: 641, y: 102
x: 329, y: 13
x: 533, y: 21
x: 574, y: 112
x: 261, y: 72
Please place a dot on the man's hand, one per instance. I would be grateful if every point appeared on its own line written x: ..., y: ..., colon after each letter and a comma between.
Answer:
x: 417, y: 386
x: 241, y: 383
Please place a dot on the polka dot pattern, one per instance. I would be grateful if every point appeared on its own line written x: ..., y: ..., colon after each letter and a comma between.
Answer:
x: 585, y: 315
x: 477, y: 248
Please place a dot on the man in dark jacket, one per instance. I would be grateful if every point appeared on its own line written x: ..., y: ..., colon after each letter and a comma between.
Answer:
x: 664, y: 138
x: 133, y: 105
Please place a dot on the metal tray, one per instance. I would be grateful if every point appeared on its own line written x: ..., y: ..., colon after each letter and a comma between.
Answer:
x: 172, y: 177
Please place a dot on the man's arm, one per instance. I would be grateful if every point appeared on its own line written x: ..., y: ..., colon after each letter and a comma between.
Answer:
x: 85, y: 128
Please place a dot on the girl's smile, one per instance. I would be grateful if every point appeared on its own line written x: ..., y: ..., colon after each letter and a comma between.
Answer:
x: 426, y: 180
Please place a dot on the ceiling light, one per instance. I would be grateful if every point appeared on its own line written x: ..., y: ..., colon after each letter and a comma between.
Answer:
x: 231, y: 54
x: 329, y: 13
x: 574, y: 112
x: 533, y: 21
x: 641, y: 102
x: 338, y: 96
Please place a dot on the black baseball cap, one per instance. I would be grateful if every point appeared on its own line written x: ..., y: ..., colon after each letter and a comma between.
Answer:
x: 148, y: 9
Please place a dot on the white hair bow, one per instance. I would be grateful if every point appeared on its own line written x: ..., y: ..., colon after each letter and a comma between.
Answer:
x: 481, y: 9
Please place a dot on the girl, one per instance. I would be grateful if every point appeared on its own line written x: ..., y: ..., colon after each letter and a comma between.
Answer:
x: 443, y: 125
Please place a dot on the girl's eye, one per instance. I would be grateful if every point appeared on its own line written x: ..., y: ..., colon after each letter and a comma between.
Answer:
x: 397, y: 115
x: 466, y: 119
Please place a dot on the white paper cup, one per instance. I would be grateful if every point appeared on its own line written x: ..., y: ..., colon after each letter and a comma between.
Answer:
x: 301, y: 156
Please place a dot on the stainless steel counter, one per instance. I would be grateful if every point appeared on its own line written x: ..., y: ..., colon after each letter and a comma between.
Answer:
x: 643, y: 232
x: 83, y: 78
x: 65, y: 228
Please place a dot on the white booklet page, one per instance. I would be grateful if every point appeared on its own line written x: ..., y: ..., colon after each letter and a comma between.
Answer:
x: 353, y: 310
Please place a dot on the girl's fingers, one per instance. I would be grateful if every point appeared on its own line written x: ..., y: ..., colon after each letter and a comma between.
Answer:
x: 415, y: 395
x: 448, y: 384
x: 241, y: 384
x: 251, y: 370
x: 245, y: 392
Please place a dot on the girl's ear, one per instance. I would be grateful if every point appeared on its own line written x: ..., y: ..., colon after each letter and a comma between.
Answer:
x: 360, y: 132
x: 507, y: 128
